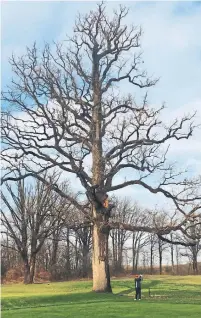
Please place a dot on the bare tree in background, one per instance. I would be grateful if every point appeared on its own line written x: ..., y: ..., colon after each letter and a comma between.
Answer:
x: 123, y: 212
x: 65, y: 109
x: 193, y: 229
x: 84, y: 237
x: 161, y: 248
x: 31, y: 213
x: 139, y: 238
x: 153, y: 241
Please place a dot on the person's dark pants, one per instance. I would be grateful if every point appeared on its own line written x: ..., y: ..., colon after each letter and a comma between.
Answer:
x: 138, y: 293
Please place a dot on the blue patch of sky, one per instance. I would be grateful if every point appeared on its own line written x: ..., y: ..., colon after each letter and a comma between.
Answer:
x: 186, y: 8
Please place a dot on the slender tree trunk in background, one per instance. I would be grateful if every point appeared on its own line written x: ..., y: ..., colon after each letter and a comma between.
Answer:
x: 121, y: 256
x: 26, y: 270
x: 53, y: 260
x: 113, y: 251
x: 137, y: 259
x: 137, y: 248
x: 133, y: 262
x: 195, y: 263
x: 68, y: 264
x: 144, y: 261
x: 119, y: 251
x: 151, y: 259
x: 116, y: 249
x: 7, y: 251
x: 85, y: 240
x: 160, y: 261
x: 76, y: 253
x: 160, y: 256
x: 172, y: 256
x: 32, y: 267
x: 189, y: 268
x: 85, y: 261
x: 177, y: 258
x: 133, y: 252
x: 193, y: 249
x: 46, y: 261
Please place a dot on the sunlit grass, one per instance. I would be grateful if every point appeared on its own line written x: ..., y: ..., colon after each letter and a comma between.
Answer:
x: 171, y: 296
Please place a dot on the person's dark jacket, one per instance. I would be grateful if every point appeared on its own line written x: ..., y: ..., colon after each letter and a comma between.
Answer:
x: 138, y: 282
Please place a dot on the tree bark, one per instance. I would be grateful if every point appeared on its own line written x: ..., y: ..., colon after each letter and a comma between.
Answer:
x: 100, y: 266
x: 101, y: 274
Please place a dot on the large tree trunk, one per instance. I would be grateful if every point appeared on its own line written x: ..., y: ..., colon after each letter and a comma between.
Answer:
x: 100, y: 266
x: 101, y: 274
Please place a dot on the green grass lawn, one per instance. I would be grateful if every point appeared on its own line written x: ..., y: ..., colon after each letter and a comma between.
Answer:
x: 170, y: 297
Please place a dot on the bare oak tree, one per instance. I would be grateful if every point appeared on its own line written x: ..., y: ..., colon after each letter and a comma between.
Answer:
x: 66, y: 109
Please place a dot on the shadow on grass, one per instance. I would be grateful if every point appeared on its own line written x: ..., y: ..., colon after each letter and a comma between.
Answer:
x: 131, y: 289
x: 126, y: 292
x: 57, y: 300
x: 152, y: 284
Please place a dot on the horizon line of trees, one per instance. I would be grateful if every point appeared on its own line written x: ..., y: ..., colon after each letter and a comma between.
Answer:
x: 42, y: 231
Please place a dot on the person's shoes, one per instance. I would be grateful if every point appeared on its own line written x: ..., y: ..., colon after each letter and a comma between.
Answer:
x: 139, y: 299
x: 134, y: 299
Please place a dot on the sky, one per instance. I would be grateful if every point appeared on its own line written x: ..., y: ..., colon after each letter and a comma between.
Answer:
x: 172, y: 51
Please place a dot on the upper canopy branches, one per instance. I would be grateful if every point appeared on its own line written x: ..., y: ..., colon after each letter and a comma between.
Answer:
x: 49, y: 121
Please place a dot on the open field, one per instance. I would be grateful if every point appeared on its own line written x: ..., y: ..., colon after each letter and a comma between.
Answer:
x: 171, y: 296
